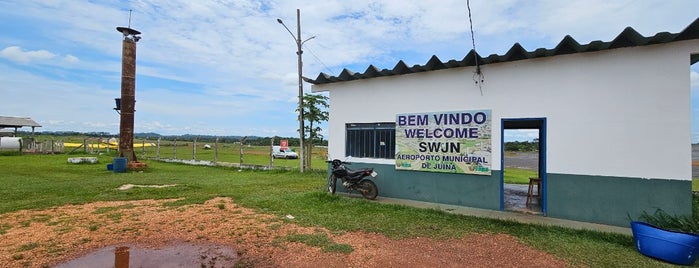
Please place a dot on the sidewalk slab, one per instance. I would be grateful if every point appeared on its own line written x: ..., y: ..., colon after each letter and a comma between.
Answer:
x: 507, y: 215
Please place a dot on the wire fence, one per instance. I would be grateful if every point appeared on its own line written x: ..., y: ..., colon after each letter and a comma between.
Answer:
x: 190, y: 151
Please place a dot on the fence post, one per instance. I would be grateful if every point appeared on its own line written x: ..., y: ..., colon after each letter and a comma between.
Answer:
x: 194, y: 149
x: 174, y: 150
x: 51, y: 146
x: 241, y: 152
x: 157, y: 150
x: 271, y: 153
x: 143, y: 147
x: 85, y: 145
x: 310, y: 155
x: 216, y: 151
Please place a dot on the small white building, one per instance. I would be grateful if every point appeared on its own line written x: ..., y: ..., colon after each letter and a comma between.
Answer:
x: 613, y: 120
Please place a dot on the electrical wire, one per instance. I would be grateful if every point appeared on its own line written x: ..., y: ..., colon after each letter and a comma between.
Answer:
x: 318, y: 59
x: 478, y: 74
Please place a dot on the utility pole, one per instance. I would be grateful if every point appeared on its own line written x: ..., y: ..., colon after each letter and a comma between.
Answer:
x: 299, y: 51
x: 302, y: 136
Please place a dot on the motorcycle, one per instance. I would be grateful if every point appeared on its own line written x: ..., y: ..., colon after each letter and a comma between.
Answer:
x: 353, y: 179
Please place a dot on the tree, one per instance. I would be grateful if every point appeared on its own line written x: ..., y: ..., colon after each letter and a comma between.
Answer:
x: 522, y: 146
x: 314, y: 111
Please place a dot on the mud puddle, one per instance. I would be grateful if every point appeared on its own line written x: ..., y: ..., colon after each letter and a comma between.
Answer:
x: 178, y: 255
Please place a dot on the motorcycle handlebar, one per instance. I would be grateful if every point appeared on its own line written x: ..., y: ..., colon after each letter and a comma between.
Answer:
x: 342, y: 162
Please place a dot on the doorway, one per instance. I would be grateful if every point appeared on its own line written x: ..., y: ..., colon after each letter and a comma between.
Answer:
x: 523, y: 156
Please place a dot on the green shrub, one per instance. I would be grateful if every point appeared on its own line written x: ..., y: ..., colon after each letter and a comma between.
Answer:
x: 685, y: 224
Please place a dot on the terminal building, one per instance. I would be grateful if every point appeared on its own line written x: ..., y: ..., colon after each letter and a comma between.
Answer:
x: 612, y: 117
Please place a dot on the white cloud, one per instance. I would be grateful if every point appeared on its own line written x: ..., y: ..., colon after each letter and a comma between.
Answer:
x: 544, y: 23
x: 41, y: 56
x: 17, y: 54
x: 71, y: 59
x: 520, y: 134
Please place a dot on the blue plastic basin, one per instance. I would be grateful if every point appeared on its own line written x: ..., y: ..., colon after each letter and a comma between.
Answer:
x: 673, y: 247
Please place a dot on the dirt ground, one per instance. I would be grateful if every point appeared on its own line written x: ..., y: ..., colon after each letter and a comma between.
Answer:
x: 46, y: 238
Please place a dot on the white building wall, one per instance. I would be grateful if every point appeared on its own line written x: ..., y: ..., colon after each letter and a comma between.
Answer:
x: 621, y: 112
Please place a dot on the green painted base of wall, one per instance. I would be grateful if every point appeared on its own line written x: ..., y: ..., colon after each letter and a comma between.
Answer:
x: 454, y: 189
x: 598, y: 199
x: 612, y: 200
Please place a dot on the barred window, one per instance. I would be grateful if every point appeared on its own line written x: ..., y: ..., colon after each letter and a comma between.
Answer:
x: 371, y: 140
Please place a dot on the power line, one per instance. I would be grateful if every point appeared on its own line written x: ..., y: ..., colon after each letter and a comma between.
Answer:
x: 318, y: 59
x: 478, y: 74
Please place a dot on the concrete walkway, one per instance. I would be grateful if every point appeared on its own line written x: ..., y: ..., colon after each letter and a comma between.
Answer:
x: 506, y: 215
x: 515, y: 196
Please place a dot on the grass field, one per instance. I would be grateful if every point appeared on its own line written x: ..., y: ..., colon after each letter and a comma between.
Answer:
x: 519, y: 175
x: 228, y: 152
x: 44, y: 181
x: 186, y: 150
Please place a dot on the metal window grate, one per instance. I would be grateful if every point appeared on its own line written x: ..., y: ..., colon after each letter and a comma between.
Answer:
x: 371, y: 140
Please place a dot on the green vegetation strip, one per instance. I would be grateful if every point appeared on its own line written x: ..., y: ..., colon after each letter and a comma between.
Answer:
x: 321, y: 241
x: 44, y: 181
x: 4, y: 227
x: 519, y: 175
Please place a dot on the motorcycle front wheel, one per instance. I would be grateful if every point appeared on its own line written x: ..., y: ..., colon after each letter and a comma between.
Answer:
x: 368, y: 189
x: 331, y: 183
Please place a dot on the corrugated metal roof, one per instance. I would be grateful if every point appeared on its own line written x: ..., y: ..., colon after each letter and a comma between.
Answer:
x: 7, y: 121
x: 627, y: 38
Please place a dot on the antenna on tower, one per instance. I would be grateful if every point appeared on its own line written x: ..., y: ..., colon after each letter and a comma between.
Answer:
x: 129, y: 34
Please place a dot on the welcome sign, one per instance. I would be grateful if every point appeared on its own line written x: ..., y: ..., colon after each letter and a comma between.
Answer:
x: 453, y: 142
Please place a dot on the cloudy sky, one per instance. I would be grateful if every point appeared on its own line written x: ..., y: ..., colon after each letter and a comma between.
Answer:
x: 228, y: 68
